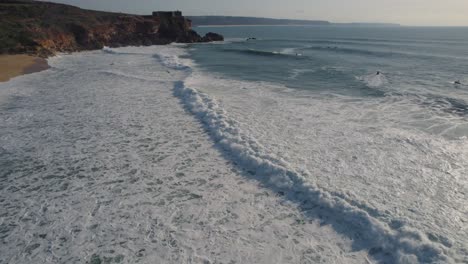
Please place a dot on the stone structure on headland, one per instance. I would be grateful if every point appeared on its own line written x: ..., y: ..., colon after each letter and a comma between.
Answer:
x: 167, y: 14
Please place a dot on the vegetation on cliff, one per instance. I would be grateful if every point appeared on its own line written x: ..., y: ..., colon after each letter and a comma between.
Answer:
x: 43, y: 28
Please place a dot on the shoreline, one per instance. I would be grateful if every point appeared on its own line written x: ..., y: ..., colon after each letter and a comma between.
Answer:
x: 12, y: 66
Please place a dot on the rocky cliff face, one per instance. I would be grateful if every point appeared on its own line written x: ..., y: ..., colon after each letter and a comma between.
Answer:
x: 42, y: 28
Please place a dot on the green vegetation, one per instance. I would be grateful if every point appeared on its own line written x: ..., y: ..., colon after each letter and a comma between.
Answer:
x: 43, y: 28
x: 24, y: 23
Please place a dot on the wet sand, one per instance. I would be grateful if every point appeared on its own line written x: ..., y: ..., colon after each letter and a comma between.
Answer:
x: 15, y: 65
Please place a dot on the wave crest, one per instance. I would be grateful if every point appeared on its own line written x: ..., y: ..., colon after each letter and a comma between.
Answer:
x: 285, y: 53
x: 399, y: 244
x: 403, y: 244
x: 373, y: 80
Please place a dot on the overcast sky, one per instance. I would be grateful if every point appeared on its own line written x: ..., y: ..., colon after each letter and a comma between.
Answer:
x: 406, y: 12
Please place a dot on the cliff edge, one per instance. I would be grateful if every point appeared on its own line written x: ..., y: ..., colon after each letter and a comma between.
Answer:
x: 43, y: 28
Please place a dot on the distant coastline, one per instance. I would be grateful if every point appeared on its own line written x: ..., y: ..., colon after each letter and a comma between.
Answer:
x: 222, y: 21
x: 252, y: 21
x: 301, y: 25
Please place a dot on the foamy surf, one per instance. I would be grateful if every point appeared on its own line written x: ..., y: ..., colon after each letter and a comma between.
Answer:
x: 398, y: 244
x: 100, y: 163
x: 168, y: 163
x: 373, y: 80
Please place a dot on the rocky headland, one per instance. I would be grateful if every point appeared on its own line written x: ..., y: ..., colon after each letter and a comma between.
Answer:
x: 42, y: 29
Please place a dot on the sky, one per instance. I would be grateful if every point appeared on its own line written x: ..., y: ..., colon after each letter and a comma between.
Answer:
x: 405, y: 12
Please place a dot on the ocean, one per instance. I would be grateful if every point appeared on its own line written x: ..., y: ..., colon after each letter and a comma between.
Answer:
x: 306, y: 144
x: 393, y: 144
x: 376, y: 116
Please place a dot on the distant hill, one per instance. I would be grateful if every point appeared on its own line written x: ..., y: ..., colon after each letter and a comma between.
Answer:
x: 368, y: 24
x: 232, y: 20
x: 248, y: 21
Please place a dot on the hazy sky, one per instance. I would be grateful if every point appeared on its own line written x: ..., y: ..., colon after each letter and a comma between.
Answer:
x: 407, y: 12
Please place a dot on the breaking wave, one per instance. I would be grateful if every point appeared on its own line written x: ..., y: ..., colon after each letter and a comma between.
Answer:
x: 400, y: 244
x: 109, y: 50
x: 172, y: 61
x: 379, y: 53
x: 286, y: 53
x: 373, y: 80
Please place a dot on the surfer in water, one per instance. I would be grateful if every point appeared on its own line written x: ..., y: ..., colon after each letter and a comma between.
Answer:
x: 378, y: 73
x: 457, y: 82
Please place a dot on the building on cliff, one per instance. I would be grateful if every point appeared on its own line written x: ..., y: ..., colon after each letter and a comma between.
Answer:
x: 158, y: 15
x: 167, y: 14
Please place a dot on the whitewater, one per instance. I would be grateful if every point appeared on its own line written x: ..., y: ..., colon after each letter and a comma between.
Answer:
x: 101, y: 163
x: 139, y: 155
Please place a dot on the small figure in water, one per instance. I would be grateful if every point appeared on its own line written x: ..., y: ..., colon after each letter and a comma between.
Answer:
x: 457, y: 82
x: 378, y: 73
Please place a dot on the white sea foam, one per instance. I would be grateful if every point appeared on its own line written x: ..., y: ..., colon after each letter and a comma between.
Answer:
x: 298, y: 72
x: 289, y: 51
x: 172, y: 61
x: 109, y: 50
x: 102, y: 133
x: 281, y: 176
x: 101, y: 163
x: 373, y: 80
x: 401, y: 243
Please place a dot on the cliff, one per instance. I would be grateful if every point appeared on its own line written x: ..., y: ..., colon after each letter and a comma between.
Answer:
x: 42, y: 28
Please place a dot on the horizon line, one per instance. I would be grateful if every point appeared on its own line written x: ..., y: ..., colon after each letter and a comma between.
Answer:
x: 320, y: 20
x: 302, y: 19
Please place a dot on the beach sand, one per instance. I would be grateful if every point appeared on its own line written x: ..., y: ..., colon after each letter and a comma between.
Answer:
x: 15, y: 65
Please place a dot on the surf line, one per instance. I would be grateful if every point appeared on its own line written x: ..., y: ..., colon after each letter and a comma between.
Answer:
x: 401, y: 244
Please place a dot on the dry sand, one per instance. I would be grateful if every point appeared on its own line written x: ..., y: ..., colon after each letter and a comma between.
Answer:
x: 15, y: 65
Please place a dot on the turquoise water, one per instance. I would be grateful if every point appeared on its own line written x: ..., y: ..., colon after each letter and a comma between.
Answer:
x: 422, y: 62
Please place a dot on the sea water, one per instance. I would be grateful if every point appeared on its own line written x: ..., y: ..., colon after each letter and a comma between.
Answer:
x: 375, y: 118
x: 149, y: 154
x: 101, y: 162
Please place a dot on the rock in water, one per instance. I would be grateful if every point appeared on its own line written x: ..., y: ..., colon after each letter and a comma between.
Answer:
x: 210, y: 36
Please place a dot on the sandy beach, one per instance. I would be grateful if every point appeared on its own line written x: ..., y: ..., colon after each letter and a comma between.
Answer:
x: 15, y: 65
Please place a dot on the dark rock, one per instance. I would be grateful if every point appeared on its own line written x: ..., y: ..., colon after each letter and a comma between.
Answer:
x: 210, y: 36
x: 42, y: 29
